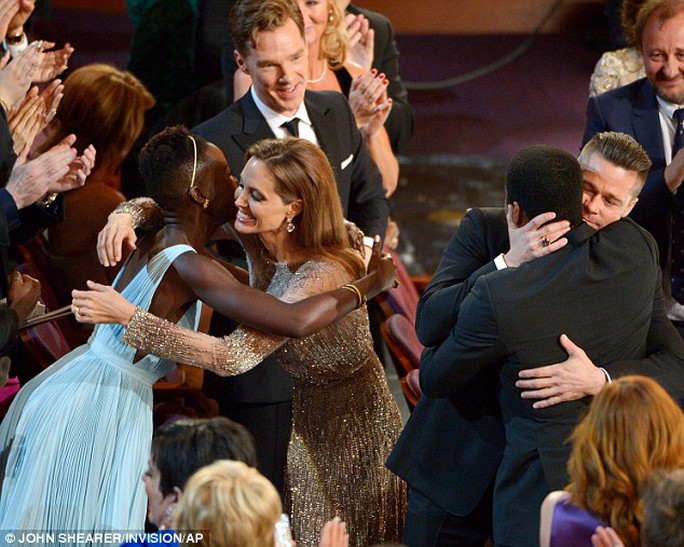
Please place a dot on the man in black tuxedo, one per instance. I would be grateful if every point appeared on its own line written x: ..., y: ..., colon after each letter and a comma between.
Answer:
x: 400, y: 123
x: 513, y: 319
x: 273, y: 52
x: 648, y: 110
x: 450, y: 449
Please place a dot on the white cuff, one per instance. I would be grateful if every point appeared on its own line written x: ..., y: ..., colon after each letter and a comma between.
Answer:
x: 16, y: 49
x: 608, y: 378
x: 368, y: 241
x: 500, y: 262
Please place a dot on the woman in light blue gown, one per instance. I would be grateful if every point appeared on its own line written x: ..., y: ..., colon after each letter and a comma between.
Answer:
x: 75, y: 442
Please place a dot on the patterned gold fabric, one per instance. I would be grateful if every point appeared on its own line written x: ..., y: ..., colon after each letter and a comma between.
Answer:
x: 345, y: 420
x: 615, y: 69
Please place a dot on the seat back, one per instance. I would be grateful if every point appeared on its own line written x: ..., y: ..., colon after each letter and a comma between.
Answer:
x: 406, y: 349
x: 180, y: 392
x: 404, y: 298
x: 401, y: 339
x: 410, y: 387
x: 75, y: 333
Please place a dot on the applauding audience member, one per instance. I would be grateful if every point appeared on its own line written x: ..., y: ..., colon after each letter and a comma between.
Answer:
x: 234, y: 503
x: 182, y: 447
x: 612, y: 454
x: 105, y: 108
x: 330, y: 69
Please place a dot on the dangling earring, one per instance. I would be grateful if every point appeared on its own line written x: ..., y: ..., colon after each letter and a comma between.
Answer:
x: 290, y: 225
x: 206, y: 203
x: 166, y: 519
x: 331, y: 18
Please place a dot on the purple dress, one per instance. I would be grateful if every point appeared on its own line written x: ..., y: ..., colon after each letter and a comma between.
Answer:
x: 572, y: 526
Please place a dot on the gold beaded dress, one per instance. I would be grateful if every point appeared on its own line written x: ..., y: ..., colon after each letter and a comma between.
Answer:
x: 345, y: 420
x: 615, y: 69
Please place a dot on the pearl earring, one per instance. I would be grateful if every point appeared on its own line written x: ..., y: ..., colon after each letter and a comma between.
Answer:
x: 290, y: 225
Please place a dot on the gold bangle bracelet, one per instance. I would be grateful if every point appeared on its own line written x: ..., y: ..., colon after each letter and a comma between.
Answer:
x: 360, y: 298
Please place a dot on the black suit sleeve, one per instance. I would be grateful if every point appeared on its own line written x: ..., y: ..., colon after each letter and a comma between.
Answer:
x: 469, y: 352
x: 399, y: 124
x: 35, y: 218
x: 665, y: 353
x: 465, y: 259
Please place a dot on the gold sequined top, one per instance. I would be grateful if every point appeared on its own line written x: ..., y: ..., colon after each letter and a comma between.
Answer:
x: 345, y: 420
x: 615, y: 69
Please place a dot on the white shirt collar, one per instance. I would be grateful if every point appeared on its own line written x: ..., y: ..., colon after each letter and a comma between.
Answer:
x: 667, y: 107
x: 274, y: 119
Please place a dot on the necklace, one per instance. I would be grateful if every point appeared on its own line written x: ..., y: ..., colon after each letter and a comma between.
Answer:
x: 319, y: 79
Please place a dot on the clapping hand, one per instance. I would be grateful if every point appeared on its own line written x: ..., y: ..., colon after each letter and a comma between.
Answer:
x: 8, y: 11
x: 34, y: 114
x: 369, y: 102
x: 360, y: 40
x: 383, y: 266
x: 24, y: 9
x: 51, y: 64
x: 31, y: 180
x: 15, y: 77
x: 334, y: 534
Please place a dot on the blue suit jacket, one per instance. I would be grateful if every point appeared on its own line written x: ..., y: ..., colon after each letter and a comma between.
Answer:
x: 633, y: 109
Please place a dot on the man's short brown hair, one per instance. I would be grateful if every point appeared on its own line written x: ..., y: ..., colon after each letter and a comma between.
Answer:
x: 666, y: 9
x: 249, y: 17
x: 621, y: 150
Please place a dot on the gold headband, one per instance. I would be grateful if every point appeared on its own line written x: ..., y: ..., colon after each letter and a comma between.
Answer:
x: 194, y: 163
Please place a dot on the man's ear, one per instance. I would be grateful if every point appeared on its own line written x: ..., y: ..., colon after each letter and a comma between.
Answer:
x: 178, y: 493
x: 196, y: 195
x: 630, y: 207
x: 518, y: 215
x: 240, y: 62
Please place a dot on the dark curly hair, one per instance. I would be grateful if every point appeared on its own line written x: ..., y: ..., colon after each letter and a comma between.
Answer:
x: 545, y: 178
x: 166, y: 164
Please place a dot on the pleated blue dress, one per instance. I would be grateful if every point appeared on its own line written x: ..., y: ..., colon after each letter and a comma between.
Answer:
x: 77, y: 437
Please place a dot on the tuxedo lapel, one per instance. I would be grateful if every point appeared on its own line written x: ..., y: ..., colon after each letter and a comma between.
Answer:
x: 254, y: 126
x: 646, y: 122
x: 323, y: 123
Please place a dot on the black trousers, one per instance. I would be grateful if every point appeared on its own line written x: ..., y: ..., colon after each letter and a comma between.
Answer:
x: 428, y: 525
x: 270, y: 424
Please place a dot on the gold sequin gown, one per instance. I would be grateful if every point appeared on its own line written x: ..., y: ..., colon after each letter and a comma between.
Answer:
x: 345, y: 420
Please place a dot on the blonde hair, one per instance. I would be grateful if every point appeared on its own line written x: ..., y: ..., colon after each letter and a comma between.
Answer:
x: 104, y: 107
x: 632, y: 427
x: 334, y: 38
x: 301, y: 171
x: 232, y: 503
